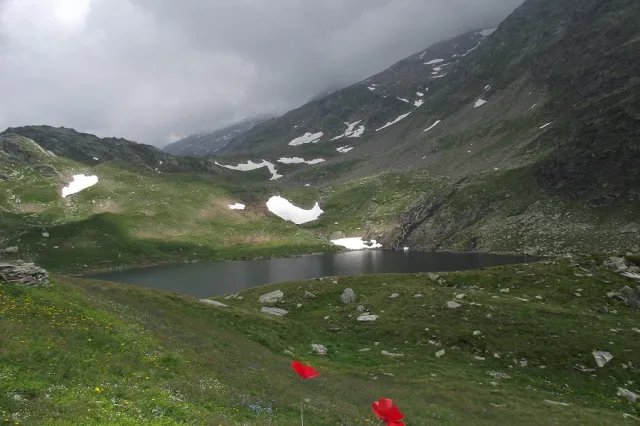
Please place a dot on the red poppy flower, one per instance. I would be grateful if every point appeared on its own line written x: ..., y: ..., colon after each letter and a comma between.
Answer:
x: 304, y: 371
x: 387, y: 412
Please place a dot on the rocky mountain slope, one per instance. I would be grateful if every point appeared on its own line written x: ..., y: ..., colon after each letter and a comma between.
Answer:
x: 518, y: 140
x: 542, y: 116
x: 355, y: 112
x: 210, y: 143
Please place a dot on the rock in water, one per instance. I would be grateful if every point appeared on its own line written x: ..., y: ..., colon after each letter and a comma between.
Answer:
x: 602, y: 358
x: 26, y: 274
x: 273, y: 297
x: 348, y: 296
x: 274, y: 311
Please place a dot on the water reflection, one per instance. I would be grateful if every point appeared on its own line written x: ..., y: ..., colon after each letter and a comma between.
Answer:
x: 210, y: 279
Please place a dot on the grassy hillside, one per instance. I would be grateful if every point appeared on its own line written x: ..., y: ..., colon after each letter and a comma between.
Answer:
x: 134, y: 217
x: 124, y: 355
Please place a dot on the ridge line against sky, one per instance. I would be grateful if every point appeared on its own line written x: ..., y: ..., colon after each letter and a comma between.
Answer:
x: 156, y: 70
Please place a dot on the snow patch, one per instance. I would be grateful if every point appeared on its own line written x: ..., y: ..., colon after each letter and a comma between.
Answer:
x: 434, y: 61
x: 96, y: 159
x: 344, y: 149
x: 479, y: 103
x: 356, y: 243
x: 298, y: 160
x: 307, y: 138
x: 432, y: 126
x: 418, y: 103
x: 284, y: 209
x: 250, y: 165
x: 487, y: 87
x: 391, y: 123
x: 420, y: 94
x: 487, y: 32
x: 78, y: 183
x: 237, y: 206
x: 544, y: 125
x: 404, y: 100
x: 352, y: 131
x: 439, y: 76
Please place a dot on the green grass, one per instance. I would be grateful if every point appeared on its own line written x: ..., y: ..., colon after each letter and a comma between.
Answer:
x: 133, y: 217
x: 163, y: 358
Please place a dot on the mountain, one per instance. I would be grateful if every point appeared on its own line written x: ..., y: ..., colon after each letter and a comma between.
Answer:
x: 210, y: 143
x: 355, y: 112
x: 515, y: 139
x: 91, y: 150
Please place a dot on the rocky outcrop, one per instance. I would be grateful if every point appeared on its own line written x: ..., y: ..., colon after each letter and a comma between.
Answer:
x: 26, y: 274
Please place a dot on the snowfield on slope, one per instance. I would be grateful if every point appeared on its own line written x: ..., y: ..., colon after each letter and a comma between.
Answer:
x: 298, y: 160
x: 432, y: 126
x: 351, y: 131
x: 479, y: 103
x: 356, y: 243
x: 307, y: 138
x: 391, y: 123
x: 284, y: 209
x: 344, y: 149
x: 250, y: 165
x: 79, y: 183
x: 237, y: 206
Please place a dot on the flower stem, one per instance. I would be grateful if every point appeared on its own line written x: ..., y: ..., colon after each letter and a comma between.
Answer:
x: 301, y: 412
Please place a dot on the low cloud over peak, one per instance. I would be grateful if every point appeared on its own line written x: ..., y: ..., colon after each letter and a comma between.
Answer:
x: 149, y: 70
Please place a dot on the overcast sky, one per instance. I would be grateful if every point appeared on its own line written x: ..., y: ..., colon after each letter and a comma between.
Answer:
x: 154, y: 70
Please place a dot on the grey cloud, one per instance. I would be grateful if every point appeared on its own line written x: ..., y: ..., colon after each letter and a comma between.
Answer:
x: 148, y: 69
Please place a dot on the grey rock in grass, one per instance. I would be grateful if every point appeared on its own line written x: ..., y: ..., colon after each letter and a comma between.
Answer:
x: 25, y: 274
x: 309, y: 295
x: 319, y: 349
x: 348, y: 296
x: 394, y: 296
x: 602, y: 357
x: 12, y: 249
x: 274, y: 311
x: 213, y: 303
x: 453, y: 305
x: 391, y: 354
x: 628, y: 395
x: 273, y: 297
x: 367, y: 317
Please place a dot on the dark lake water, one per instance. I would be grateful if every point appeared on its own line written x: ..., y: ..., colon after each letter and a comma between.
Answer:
x: 217, y: 278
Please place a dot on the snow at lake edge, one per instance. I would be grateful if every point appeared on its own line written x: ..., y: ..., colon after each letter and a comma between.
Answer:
x: 356, y: 243
x: 250, y: 165
x: 78, y: 183
x: 284, y: 209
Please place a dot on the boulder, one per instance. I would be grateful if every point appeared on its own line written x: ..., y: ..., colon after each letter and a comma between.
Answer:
x: 319, y: 349
x: 627, y: 394
x: 274, y: 311
x: 12, y: 249
x: 602, y: 357
x: 453, y: 305
x: 348, y: 296
x: 309, y: 295
x: 367, y: 317
x: 273, y: 297
x: 213, y: 303
x: 26, y: 274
